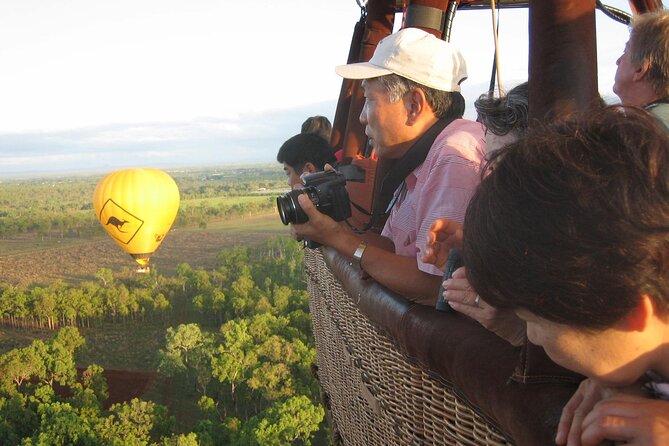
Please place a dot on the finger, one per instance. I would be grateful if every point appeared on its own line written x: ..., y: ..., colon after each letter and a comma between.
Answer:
x: 612, y: 428
x: 582, y: 407
x: 429, y: 256
x: 435, y: 255
x: 616, y: 418
x: 566, y: 423
x: 306, y: 205
x: 467, y: 310
x: 462, y: 297
x: 328, y: 166
x: 459, y: 284
x: 445, y: 225
x: 617, y: 406
x: 461, y: 273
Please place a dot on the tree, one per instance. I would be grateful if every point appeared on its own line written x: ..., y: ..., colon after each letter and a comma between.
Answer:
x: 286, y: 423
x: 105, y: 276
x: 22, y: 364
x: 235, y: 356
x: 181, y: 440
x: 59, y: 359
x: 128, y: 423
x: 61, y: 424
x: 179, y: 344
x: 93, y: 379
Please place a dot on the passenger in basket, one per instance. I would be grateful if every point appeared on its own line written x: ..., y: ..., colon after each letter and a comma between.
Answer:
x: 302, y: 154
x: 570, y: 229
x: 412, y: 114
x: 504, y: 119
x: 318, y: 125
x: 642, y: 77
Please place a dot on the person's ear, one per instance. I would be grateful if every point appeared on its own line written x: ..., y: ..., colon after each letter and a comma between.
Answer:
x: 309, y: 168
x: 640, y: 316
x: 416, y: 105
x: 641, y: 71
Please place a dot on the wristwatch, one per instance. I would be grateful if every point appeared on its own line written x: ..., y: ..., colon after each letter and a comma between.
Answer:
x: 357, y: 255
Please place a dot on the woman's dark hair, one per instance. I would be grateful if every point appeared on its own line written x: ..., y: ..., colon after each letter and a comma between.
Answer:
x: 500, y: 115
x: 572, y: 222
x: 306, y: 148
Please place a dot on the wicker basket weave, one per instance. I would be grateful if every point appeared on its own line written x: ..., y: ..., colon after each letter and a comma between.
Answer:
x: 376, y: 395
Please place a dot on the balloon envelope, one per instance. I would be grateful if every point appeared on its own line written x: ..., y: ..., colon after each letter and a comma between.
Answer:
x: 137, y: 208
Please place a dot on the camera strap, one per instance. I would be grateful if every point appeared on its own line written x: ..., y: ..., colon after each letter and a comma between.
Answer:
x: 410, y: 161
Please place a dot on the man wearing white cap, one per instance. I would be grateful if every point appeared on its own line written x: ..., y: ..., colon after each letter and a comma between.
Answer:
x: 412, y: 114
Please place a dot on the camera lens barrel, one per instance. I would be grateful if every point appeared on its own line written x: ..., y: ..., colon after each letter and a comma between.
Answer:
x: 289, y: 208
x: 327, y: 192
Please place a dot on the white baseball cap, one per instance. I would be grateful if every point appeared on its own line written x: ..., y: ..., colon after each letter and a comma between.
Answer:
x: 416, y: 55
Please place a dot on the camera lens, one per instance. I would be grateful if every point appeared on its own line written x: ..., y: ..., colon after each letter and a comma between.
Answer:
x: 289, y: 209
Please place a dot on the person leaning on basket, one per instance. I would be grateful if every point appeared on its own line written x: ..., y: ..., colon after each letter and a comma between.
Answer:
x: 505, y: 118
x: 302, y: 154
x: 412, y: 89
x: 570, y: 230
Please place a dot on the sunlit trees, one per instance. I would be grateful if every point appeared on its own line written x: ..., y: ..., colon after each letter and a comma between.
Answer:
x: 184, y: 348
x: 235, y: 356
x: 31, y: 412
x: 285, y: 423
x: 247, y: 360
x: 59, y: 357
x: 60, y: 304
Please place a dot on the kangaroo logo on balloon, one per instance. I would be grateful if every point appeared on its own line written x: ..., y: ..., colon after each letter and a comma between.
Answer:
x: 137, y: 207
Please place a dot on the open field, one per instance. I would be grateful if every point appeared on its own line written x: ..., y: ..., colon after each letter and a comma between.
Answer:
x: 31, y: 260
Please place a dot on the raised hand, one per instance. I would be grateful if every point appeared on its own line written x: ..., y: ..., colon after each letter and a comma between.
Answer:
x: 443, y: 235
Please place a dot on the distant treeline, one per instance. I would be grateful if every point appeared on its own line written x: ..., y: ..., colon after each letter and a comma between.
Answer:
x: 62, y: 207
x: 59, y: 304
x: 249, y: 360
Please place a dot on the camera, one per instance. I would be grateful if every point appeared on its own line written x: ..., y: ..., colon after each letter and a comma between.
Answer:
x: 327, y: 192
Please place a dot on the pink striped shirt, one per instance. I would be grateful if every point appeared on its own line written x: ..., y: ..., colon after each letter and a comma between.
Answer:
x: 440, y: 187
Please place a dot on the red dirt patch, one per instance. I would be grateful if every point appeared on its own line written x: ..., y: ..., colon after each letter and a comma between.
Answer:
x: 123, y: 385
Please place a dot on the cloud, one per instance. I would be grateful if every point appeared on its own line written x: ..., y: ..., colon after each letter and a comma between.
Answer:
x: 248, y: 137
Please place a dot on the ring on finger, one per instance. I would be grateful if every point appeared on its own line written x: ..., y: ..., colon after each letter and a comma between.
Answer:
x: 477, y: 299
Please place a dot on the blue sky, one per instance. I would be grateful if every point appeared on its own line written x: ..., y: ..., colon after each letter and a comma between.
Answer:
x: 93, y: 86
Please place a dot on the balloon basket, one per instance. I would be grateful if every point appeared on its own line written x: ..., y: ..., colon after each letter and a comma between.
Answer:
x: 143, y: 269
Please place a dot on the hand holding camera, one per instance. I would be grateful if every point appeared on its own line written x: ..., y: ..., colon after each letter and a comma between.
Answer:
x: 324, y: 190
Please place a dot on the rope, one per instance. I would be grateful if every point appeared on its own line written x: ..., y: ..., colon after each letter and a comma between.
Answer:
x: 495, y: 28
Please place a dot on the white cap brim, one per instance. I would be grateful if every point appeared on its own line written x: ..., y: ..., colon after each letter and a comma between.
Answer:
x: 362, y: 70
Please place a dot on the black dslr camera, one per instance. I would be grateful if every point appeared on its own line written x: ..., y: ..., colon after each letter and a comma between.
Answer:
x: 327, y: 192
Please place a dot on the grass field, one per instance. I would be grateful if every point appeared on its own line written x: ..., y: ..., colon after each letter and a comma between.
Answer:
x: 230, y: 201
x: 30, y: 260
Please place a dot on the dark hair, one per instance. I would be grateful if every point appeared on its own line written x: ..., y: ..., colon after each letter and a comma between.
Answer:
x: 572, y: 221
x: 320, y: 125
x: 501, y: 115
x: 444, y: 104
x: 306, y: 148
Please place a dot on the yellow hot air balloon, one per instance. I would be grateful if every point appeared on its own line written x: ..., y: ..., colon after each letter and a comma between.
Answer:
x: 137, y: 208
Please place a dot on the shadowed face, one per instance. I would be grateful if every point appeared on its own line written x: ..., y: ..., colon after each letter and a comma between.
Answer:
x: 293, y: 176
x: 609, y: 356
x: 624, y: 78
